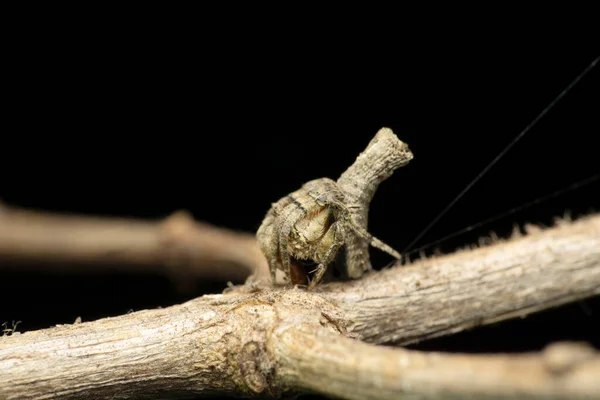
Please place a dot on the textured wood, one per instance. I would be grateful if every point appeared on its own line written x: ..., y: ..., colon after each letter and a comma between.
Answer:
x: 320, y: 362
x: 384, y: 154
x: 265, y: 341
x: 178, y: 246
x: 451, y: 293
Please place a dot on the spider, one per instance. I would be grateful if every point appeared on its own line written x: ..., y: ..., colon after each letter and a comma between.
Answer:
x: 310, y: 224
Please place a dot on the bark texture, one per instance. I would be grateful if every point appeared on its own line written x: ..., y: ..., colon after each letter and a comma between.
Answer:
x: 177, y: 246
x: 451, y: 293
x: 384, y: 154
x: 256, y: 340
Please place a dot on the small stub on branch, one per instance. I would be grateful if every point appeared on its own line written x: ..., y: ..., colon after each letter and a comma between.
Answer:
x: 561, y: 357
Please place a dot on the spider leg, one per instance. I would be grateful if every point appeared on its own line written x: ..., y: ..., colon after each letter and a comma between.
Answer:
x: 337, y: 229
x: 377, y: 243
x: 362, y: 232
x: 267, y: 241
x: 267, y: 235
x: 289, y: 219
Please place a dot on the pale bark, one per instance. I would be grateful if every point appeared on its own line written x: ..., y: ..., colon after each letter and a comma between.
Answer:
x: 448, y: 294
x: 384, y: 154
x: 177, y: 246
x: 254, y: 340
x: 321, y: 362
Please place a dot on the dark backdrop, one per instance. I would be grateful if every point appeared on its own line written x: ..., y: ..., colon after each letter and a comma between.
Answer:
x: 144, y: 125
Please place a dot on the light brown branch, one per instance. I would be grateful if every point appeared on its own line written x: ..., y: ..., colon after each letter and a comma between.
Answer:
x: 179, y: 246
x: 273, y: 341
x: 451, y: 293
x: 316, y: 360
x: 384, y: 154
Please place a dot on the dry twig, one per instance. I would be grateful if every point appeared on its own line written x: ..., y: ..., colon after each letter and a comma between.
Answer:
x: 179, y: 246
x: 272, y: 341
x: 258, y: 340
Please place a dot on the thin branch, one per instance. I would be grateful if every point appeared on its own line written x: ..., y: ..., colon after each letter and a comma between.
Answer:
x: 451, y: 293
x: 178, y: 245
x: 255, y: 339
x: 264, y: 341
x: 384, y: 154
x: 316, y: 360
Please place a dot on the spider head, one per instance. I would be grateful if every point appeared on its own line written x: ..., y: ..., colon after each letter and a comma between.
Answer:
x: 329, y: 198
x: 324, y: 192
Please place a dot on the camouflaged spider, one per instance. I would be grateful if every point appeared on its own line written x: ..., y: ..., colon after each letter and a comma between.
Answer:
x: 310, y: 224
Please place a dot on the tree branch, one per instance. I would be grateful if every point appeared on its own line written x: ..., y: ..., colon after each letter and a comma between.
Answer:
x: 178, y: 246
x: 384, y: 154
x: 318, y: 361
x: 255, y: 340
x: 451, y: 293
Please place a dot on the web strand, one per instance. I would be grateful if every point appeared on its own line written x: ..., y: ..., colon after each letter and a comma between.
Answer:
x: 501, y: 154
x: 514, y: 210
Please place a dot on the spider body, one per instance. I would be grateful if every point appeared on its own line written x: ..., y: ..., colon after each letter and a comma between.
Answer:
x: 309, y: 224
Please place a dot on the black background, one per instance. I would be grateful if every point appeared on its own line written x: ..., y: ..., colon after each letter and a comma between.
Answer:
x: 142, y: 124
